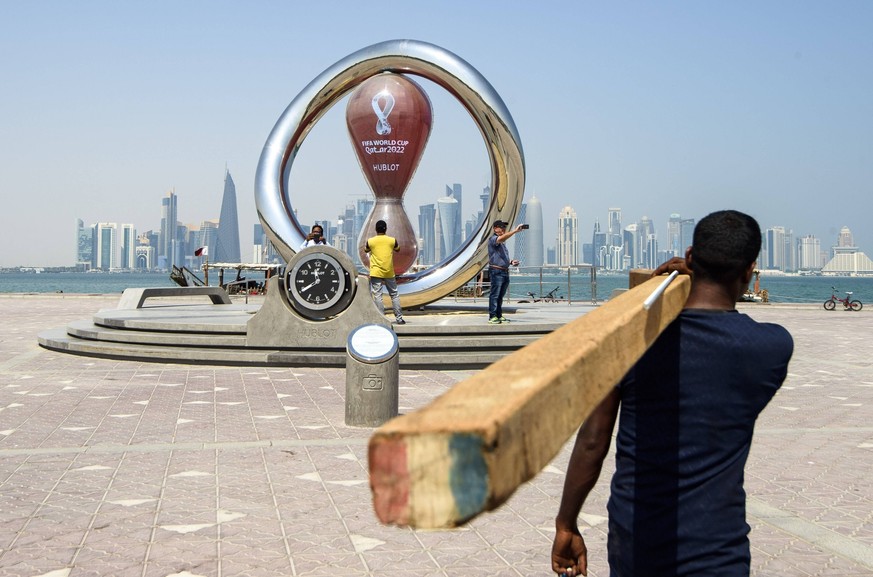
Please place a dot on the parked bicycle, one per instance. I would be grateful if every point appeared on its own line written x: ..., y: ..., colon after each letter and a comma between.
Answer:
x: 848, y: 303
x: 551, y: 296
x: 533, y: 298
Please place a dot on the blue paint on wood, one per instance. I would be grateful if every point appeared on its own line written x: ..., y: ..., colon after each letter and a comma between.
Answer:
x: 468, y: 476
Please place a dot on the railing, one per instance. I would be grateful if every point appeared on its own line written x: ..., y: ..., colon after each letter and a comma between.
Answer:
x: 244, y: 286
x: 568, y: 282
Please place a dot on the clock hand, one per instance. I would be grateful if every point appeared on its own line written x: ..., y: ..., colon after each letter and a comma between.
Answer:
x: 309, y: 286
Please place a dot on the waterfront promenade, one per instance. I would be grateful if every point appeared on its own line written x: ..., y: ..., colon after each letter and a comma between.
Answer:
x: 119, y: 468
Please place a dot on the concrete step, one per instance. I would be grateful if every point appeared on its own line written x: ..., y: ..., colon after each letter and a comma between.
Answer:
x: 440, y: 336
x: 60, y: 340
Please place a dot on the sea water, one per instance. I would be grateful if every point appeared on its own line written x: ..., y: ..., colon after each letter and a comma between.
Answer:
x: 577, y: 286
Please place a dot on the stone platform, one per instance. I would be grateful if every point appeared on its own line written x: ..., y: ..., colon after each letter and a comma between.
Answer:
x: 160, y: 469
x: 451, y: 333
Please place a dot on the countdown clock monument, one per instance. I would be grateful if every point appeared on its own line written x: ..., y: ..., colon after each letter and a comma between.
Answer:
x: 322, y: 297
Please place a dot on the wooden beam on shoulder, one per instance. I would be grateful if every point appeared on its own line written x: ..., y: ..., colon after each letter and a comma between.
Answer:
x: 471, y: 448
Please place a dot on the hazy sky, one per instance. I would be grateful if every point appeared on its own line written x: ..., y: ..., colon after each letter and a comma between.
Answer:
x: 654, y: 107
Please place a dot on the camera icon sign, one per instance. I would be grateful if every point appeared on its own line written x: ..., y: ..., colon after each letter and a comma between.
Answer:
x: 372, y: 383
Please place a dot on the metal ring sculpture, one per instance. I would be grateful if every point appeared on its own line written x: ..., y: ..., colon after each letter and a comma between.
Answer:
x: 272, y: 195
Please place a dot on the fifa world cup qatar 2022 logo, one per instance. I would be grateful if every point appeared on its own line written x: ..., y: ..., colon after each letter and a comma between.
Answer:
x: 389, y: 119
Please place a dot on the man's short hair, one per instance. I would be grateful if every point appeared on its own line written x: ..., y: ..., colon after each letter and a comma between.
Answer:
x: 725, y: 244
x: 381, y: 226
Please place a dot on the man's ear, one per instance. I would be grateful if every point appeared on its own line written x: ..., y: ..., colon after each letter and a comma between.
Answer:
x: 749, y: 272
x: 688, y: 257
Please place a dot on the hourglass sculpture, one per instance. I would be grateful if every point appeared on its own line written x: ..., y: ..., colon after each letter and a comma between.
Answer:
x: 389, y: 118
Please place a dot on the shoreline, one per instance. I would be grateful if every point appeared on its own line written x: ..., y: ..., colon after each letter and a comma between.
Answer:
x: 741, y: 306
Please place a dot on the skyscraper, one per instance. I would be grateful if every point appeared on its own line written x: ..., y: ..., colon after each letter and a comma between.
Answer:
x: 686, y: 234
x: 599, y: 246
x: 846, y: 238
x: 456, y: 192
x: 127, y: 250
x: 674, y: 235
x: 535, y: 233
x: 518, y: 244
x: 774, y: 248
x: 652, y: 257
x: 426, y: 223
x: 106, y: 249
x: 206, y: 236
x: 809, y: 257
x: 485, y: 198
x: 568, y: 238
x: 227, y: 239
x: 631, y: 245
x: 450, y: 225
x: 645, y: 229
x: 84, y: 245
x: 167, y: 241
x: 614, y: 240
x: 614, y: 228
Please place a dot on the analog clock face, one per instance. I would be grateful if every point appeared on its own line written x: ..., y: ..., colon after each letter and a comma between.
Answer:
x: 317, y: 283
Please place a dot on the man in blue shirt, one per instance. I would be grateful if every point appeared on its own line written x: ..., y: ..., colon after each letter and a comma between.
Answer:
x: 686, y: 412
x: 498, y: 270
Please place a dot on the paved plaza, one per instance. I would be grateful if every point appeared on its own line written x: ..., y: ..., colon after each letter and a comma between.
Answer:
x: 120, y: 468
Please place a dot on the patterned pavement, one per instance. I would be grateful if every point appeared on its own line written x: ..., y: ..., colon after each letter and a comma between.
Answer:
x: 141, y: 469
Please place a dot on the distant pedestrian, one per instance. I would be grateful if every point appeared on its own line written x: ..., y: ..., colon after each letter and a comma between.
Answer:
x: 381, y: 249
x: 498, y: 270
x: 315, y: 238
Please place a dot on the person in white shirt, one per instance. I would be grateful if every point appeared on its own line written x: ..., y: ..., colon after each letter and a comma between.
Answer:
x: 314, y: 238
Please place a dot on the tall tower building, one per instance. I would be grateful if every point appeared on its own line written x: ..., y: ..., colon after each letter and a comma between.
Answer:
x: 450, y: 225
x: 614, y: 227
x: 485, y: 197
x: 167, y: 239
x: 845, y: 238
x: 106, y: 249
x: 363, y: 206
x: 456, y: 192
x: 774, y: 254
x: 674, y: 235
x: 227, y: 240
x: 599, y: 246
x: 518, y: 244
x: 84, y: 245
x: 790, y: 252
x: 127, y: 250
x: 652, y: 259
x: 568, y: 238
x: 535, y: 233
x: 631, y: 245
x: 809, y: 249
x: 426, y: 233
x: 207, y: 236
x: 686, y: 235
x: 646, y: 228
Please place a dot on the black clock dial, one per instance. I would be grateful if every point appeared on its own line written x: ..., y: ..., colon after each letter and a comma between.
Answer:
x: 317, y: 281
x: 318, y: 285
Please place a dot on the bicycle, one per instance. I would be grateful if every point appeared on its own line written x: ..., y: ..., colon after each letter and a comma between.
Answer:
x: 533, y: 298
x: 848, y: 304
x: 551, y: 296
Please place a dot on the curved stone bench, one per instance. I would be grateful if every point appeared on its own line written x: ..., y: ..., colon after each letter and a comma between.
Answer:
x: 134, y: 298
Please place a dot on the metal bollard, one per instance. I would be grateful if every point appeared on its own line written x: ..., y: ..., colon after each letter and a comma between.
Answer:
x: 372, y: 376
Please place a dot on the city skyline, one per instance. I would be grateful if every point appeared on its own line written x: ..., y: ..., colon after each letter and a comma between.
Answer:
x: 621, y: 245
x: 760, y: 107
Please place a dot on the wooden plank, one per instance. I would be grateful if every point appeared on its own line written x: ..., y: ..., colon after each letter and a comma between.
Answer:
x: 637, y: 276
x: 471, y: 448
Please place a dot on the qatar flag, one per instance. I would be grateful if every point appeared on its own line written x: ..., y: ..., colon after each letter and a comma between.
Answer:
x: 202, y: 251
